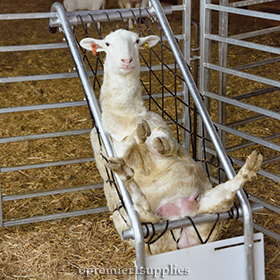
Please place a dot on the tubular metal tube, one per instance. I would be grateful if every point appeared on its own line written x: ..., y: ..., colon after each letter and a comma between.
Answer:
x: 94, y: 107
x: 248, y: 218
x: 243, y: 12
x: 186, y: 28
x: 243, y: 105
x: 244, y: 75
x: 101, y: 16
x: 148, y: 230
x: 242, y: 43
x: 50, y: 217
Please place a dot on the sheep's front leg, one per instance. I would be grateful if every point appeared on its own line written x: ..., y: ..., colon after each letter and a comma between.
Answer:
x: 143, y: 131
x: 159, y: 144
x: 126, y: 174
x: 157, y: 140
x: 220, y: 198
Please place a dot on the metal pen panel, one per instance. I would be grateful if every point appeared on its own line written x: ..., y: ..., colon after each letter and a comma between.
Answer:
x: 95, y: 110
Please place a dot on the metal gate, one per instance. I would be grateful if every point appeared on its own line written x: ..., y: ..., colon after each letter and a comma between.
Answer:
x: 242, y: 89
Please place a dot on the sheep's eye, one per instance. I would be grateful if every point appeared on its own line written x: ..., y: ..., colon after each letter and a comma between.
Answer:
x: 137, y: 41
x: 107, y: 44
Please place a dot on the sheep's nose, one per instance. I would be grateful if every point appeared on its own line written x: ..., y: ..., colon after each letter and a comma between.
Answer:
x: 127, y: 61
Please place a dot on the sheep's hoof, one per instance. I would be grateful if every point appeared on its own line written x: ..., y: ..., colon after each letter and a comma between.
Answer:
x: 143, y: 131
x: 146, y: 217
x: 118, y: 166
x: 252, y: 166
x: 115, y: 164
x: 161, y: 145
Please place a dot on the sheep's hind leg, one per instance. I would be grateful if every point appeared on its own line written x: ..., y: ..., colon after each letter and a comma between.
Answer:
x: 126, y: 174
x: 220, y: 198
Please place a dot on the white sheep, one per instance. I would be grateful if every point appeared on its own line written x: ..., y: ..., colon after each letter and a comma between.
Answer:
x: 74, y: 5
x: 92, y: 5
x: 164, y: 181
x: 128, y: 4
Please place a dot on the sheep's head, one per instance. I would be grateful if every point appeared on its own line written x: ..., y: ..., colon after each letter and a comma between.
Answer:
x: 122, y: 49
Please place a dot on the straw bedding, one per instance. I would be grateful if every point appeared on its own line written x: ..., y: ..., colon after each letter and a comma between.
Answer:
x: 62, y: 249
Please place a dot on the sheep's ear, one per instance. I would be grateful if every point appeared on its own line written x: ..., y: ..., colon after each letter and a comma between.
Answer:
x: 87, y: 44
x: 150, y: 40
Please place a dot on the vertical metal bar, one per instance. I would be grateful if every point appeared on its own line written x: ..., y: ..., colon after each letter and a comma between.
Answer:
x: 222, y: 78
x: 248, y: 218
x: 186, y: 49
x: 195, y: 113
x: 94, y: 107
x: 204, y: 76
x: 1, y: 208
x: 222, y: 90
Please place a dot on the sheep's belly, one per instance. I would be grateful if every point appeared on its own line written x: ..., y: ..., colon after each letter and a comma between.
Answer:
x: 180, y: 207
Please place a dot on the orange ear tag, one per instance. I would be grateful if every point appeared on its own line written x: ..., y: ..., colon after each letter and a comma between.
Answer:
x: 146, y: 46
x: 93, y: 49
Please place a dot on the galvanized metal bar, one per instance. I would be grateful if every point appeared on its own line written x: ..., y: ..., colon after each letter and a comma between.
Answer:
x: 1, y: 207
x: 262, y: 172
x: 74, y: 18
x: 243, y: 75
x: 271, y: 159
x: 50, y: 192
x: 249, y: 2
x: 249, y: 137
x: 58, y: 216
x: 44, y: 135
x: 26, y: 16
x: 6, y: 110
x: 242, y: 43
x: 43, y: 77
x: 149, y: 230
x: 5, y: 169
x: 205, y: 74
x: 222, y: 77
x: 177, y: 8
x: 247, y: 120
x: 255, y: 93
x: 243, y: 12
x: 95, y: 110
x: 256, y: 33
x: 267, y: 231
x: 186, y: 50
x: 33, y: 47
x: 266, y: 204
x: 257, y: 64
x: 248, y: 144
x: 243, y: 105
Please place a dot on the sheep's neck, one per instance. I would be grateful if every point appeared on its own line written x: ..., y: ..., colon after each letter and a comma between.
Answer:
x: 122, y: 93
x: 122, y: 104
